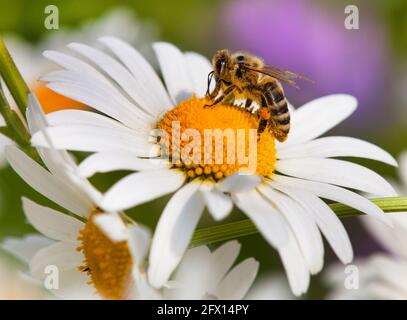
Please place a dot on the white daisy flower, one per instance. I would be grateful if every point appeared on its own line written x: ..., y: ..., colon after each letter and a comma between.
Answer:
x: 116, y: 22
x: 382, y: 275
x: 282, y: 198
x: 97, y: 255
x: 92, y: 257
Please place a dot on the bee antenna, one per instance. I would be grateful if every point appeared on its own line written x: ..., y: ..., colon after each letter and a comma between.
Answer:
x: 210, y: 77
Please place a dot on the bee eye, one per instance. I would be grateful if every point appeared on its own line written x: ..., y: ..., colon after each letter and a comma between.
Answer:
x: 240, y: 58
x: 220, y: 64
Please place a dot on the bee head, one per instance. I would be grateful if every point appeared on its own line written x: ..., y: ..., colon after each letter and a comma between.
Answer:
x: 221, y: 64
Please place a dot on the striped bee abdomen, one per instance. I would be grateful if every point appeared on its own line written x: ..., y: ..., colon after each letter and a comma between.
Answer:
x: 276, y: 102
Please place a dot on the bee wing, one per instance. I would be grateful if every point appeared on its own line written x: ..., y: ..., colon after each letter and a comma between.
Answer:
x: 280, y: 74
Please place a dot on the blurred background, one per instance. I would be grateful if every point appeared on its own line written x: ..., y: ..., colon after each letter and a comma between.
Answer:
x: 307, y: 37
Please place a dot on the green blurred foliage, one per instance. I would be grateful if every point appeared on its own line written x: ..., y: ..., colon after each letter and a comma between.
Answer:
x: 190, y: 24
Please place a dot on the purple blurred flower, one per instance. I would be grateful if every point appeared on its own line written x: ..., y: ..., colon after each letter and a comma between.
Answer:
x: 311, y: 40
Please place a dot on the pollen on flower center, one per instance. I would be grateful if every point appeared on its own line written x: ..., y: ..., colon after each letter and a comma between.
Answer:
x: 214, y: 142
x: 108, y: 263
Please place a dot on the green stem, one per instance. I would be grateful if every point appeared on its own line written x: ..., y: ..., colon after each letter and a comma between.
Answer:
x: 16, y: 128
x: 233, y: 230
x: 13, y: 78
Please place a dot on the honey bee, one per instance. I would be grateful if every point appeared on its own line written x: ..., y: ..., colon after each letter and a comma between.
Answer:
x: 242, y: 74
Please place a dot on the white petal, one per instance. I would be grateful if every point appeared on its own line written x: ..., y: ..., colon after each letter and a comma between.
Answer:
x: 318, y: 116
x: 386, y: 291
x: 35, y: 116
x: 139, y: 242
x: 223, y: 259
x: 272, y: 286
x: 336, y: 147
x: 295, y: 266
x: 149, y: 84
x: 174, y: 232
x: 239, y: 183
x: 142, y: 288
x: 339, y: 172
x: 99, y: 97
x: 81, y: 117
x: 403, y: 168
x: 335, y: 193
x: 218, y: 203
x: 199, y: 67
x: 94, y: 139
x: 141, y: 187
x: 50, y: 186
x: 327, y: 220
x: 112, y: 226
x: 25, y: 248
x: 63, y: 255
x: 72, y: 284
x: 192, y: 276
x: 51, y: 223
x: 304, y: 229
x: 392, y: 239
x: 268, y: 220
x: 116, y: 71
x: 238, y: 281
x: 4, y: 141
x: 107, y: 161
x: 174, y: 69
x: 71, y: 63
x: 63, y: 167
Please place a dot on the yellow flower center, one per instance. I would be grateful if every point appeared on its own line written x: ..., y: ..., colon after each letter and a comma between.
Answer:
x: 212, y: 142
x: 108, y: 263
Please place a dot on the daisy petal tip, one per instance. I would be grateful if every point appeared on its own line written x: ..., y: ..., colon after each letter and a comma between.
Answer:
x: 109, y: 39
x: 107, y: 205
x: 112, y: 226
x: 344, y: 101
x: 315, y: 269
x: 347, y: 100
x: 253, y: 264
x: 47, y: 53
x: 37, y: 140
x: 347, y: 259
x: 86, y: 171
x: 234, y: 244
x: 155, y: 278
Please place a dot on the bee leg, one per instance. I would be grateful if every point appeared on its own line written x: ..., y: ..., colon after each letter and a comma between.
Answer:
x: 230, y: 99
x: 215, y: 91
x: 264, y: 116
x: 248, y: 105
x: 225, y: 93
x: 210, y: 77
